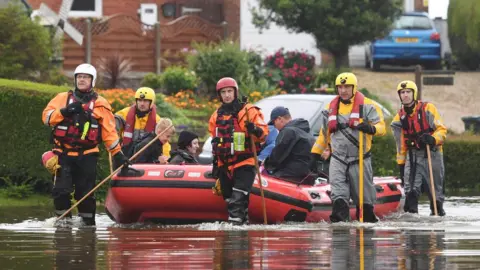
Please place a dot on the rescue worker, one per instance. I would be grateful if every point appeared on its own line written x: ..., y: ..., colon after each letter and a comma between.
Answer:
x: 80, y: 119
x: 290, y: 158
x: 135, y: 122
x: 234, y: 164
x: 344, y: 118
x: 187, y: 149
x: 415, y: 125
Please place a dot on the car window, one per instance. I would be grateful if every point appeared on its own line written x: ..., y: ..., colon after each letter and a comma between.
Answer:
x: 305, y: 109
x: 412, y: 22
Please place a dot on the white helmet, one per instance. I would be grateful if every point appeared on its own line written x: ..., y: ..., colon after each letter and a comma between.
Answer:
x: 86, y: 69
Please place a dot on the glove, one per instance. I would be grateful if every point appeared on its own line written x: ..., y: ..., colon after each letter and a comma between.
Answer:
x: 366, y: 128
x: 120, y: 159
x: 402, y: 172
x: 71, y: 109
x: 427, y: 139
x: 217, y: 189
x: 254, y: 130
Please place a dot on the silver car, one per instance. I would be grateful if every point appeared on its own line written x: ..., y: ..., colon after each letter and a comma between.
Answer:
x: 306, y: 106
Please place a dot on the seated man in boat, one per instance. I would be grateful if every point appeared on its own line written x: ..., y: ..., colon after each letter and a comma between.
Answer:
x: 267, y: 147
x: 154, y: 152
x: 135, y: 121
x: 347, y: 117
x: 416, y: 125
x: 290, y: 158
x: 231, y: 127
x: 187, y: 149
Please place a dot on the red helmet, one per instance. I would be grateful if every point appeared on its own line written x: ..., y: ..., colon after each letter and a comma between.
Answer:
x: 227, y: 82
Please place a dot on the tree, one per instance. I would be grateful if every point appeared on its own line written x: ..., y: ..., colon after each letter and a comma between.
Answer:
x: 335, y: 24
x: 463, y: 31
x: 25, y: 45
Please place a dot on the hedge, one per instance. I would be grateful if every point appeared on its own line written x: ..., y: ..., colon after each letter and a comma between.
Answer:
x: 24, y: 138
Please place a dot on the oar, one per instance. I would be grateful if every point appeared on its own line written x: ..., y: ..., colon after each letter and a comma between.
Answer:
x: 112, y: 174
x: 432, y: 184
x: 254, y: 150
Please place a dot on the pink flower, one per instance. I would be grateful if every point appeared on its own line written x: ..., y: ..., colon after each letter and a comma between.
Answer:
x: 281, y: 83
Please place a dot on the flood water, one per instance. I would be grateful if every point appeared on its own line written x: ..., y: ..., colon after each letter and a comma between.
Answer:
x: 28, y: 240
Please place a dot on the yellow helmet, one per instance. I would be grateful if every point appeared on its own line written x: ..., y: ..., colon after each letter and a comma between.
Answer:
x: 145, y: 93
x: 408, y: 85
x: 347, y: 78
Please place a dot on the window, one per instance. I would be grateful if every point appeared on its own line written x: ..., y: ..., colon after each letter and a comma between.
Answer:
x: 413, y: 22
x: 86, y: 8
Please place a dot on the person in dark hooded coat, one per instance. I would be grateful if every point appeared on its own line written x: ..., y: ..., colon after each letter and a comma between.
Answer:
x: 291, y: 158
x: 187, y: 149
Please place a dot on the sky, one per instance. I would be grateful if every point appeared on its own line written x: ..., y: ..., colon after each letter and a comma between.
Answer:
x: 438, y: 8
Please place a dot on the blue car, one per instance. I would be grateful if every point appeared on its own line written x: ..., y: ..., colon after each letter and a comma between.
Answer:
x: 412, y: 40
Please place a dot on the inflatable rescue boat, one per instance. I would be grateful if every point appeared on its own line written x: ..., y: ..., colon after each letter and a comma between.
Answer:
x: 182, y: 194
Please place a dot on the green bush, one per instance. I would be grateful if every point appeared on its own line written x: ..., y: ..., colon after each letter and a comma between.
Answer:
x: 327, y: 76
x: 25, y: 45
x: 152, y: 80
x: 255, y: 63
x: 214, y: 61
x: 463, y: 27
x: 461, y: 174
x: 179, y: 119
x: 174, y: 79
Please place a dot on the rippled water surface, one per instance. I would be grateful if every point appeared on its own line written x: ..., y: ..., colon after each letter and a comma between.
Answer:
x: 29, y: 240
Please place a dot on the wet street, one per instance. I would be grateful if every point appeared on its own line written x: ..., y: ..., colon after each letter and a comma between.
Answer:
x: 28, y: 240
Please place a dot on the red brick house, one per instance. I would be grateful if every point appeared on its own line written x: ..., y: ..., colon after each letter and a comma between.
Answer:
x: 126, y: 27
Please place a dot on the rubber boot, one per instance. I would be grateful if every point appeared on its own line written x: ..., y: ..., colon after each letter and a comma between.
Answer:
x: 340, y: 211
x: 440, y: 210
x: 88, y: 219
x: 369, y: 214
x: 411, y: 203
x: 237, y: 208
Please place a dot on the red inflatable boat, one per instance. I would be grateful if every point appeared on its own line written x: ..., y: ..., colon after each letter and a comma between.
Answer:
x: 183, y: 194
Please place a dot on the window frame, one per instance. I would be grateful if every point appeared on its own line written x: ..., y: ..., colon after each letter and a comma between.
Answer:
x: 98, y: 13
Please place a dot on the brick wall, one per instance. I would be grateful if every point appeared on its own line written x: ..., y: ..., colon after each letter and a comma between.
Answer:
x: 420, y: 5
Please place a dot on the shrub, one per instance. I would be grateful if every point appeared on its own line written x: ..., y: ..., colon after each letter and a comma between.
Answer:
x: 327, y: 76
x: 463, y: 25
x: 255, y: 63
x: 152, y: 80
x: 113, y: 69
x: 118, y: 98
x: 291, y: 70
x: 25, y: 45
x: 174, y: 79
x: 214, y: 61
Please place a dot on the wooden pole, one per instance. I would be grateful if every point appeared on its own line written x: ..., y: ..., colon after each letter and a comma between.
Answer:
x: 254, y: 150
x: 432, y: 183
x: 88, y: 45
x: 418, y: 80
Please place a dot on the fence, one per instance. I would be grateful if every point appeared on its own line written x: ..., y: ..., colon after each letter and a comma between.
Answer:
x: 142, y: 44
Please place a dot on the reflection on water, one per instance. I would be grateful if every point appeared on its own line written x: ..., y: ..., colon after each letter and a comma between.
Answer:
x: 403, y: 241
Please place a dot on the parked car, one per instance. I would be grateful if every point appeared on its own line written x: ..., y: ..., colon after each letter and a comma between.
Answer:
x: 306, y: 106
x: 412, y: 40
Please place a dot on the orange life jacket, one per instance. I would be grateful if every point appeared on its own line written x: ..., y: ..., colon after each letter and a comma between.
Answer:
x: 75, y: 131
x: 415, y: 125
x: 354, y: 120
x: 223, y: 144
x: 130, y: 124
